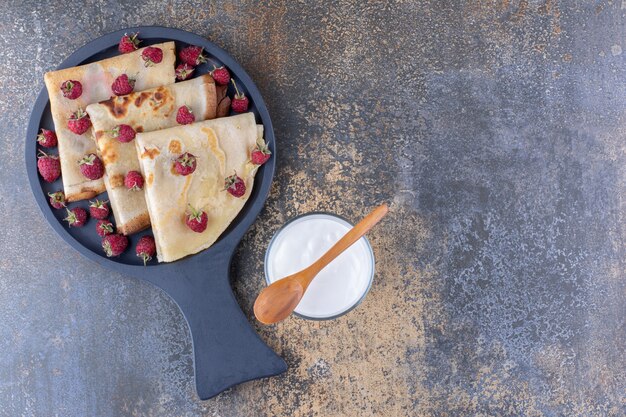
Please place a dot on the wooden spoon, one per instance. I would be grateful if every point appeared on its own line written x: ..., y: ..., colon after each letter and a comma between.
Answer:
x: 277, y: 301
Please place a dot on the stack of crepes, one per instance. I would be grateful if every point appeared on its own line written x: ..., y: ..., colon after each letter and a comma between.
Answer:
x: 221, y: 147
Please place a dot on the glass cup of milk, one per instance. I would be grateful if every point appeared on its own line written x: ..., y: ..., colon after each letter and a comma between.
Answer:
x: 342, y: 284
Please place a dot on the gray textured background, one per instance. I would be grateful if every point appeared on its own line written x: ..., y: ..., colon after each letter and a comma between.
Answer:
x: 495, y: 128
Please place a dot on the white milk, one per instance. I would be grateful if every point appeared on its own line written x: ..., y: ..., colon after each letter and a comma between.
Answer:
x: 337, y: 287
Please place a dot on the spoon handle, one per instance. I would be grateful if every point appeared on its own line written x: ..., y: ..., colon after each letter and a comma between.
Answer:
x: 348, y: 239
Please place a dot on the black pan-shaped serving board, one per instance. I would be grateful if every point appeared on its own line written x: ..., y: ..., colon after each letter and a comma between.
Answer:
x: 227, y: 351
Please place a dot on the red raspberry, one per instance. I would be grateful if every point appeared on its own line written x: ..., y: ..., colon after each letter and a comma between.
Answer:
x: 71, y: 89
x: 184, y: 71
x: 76, y: 217
x: 260, y: 154
x: 104, y: 228
x: 128, y: 43
x: 185, y: 116
x: 146, y: 248
x: 79, y: 122
x: 192, y: 55
x: 49, y: 166
x: 185, y: 164
x: 123, y: 85
x: 240, y: 102
x: 98, y: 209
x: 221, y: 75
x: 91, y: 166
x: 133, y: 181
x: 235, y: 185
x: 123, y: 133
x: 196, y: 220
x: 114, y: 244
x: 57, y: 200
x: 47, y: 138
x: 152, y: 56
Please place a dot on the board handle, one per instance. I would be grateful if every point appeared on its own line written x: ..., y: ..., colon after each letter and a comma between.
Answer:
x: 227, y: 350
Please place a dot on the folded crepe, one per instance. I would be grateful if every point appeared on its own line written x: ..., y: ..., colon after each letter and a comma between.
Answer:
x: 144, y: 111
x: 222, y: 147
x: 96, y: 79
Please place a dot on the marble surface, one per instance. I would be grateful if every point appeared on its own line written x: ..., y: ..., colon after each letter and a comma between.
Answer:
x: 495, y: 129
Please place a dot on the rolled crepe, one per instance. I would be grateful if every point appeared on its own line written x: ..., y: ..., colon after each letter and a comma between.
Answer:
x: 145, y: 111
x: 222, y: 147
x: 96, y: 79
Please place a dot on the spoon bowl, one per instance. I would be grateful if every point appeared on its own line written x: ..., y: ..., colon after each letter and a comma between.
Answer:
x: 277, y: 302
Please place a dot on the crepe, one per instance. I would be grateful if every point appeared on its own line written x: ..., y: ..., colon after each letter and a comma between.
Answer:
x: 222, y: 147
x: 96, y: 79
x: 145, y: 111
